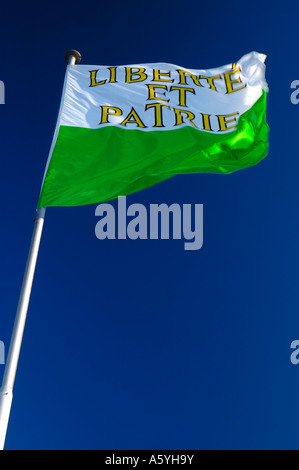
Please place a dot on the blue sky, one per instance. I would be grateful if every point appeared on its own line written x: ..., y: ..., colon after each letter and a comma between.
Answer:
x: 140, y: 344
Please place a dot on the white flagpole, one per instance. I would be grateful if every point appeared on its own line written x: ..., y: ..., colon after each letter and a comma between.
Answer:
x: 6, y: 391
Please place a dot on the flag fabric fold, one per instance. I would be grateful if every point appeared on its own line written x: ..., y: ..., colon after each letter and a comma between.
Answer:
x: 122, y: 129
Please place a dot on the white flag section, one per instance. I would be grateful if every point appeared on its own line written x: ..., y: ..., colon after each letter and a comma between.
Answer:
x: 162, y: 96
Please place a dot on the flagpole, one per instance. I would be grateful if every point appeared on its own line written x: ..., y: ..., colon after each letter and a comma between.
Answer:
x: 6, y: 391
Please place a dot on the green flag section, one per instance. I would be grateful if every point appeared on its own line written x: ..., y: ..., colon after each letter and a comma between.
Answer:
x: 107, y: 144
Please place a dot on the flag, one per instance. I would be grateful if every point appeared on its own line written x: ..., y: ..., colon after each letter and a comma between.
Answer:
x: 121, y: 129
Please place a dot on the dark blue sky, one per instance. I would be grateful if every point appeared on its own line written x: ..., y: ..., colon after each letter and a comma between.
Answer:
x: 140, y: 344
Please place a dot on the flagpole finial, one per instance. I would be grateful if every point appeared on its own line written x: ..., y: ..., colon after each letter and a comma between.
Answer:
x: 73, y: 53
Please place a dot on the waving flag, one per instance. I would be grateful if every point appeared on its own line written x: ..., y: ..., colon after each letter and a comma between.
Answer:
x: 122, y: 129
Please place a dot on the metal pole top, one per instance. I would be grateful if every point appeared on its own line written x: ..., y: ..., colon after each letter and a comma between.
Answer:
x: 72, y: 53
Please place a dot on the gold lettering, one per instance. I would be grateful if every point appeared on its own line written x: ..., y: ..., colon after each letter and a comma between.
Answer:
x: 229, y: 82
x: 152, y: 92
x: 210, y: 80
x: 112, y: 74
x: 157, y: 76
x: 206, y: 122
x: 133, y: 118
x: 138, y: 71
x: 158, y: 113
x: 223, y: 121
x: 93, y: 78
x: 183, y: 73
x: 182, y: 94
x: 179, y: 118
x: 109, y: 111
